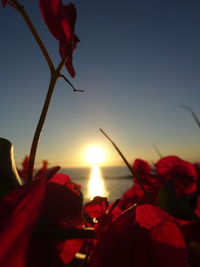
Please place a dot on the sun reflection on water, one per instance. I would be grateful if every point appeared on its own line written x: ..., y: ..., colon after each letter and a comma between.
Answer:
x: 96, y: 185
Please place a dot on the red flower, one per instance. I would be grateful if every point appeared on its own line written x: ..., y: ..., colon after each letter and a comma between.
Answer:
x: 182, y: 172
x: 148, y: 178
x: 23, y: 172
x: 131, y: 196
x: 143, y: 237
x: 61, y: 208
x: 97, y: 207
x: 20, y: 210
x: 60, y: 20
x: 40, y: 204
x: 142, y: 167
x: 42, y: 170
x: 62, y: 204
x: 149, y: 181
x: 100, y: 211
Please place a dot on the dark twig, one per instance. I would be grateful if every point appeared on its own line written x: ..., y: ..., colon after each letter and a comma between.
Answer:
x: 133, y: 172
x: 75, y: 90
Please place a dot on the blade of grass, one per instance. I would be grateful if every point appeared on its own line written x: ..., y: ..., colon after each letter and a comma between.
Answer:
x: 157, y: 150
x: 133, y: 172
x: 192, y: 113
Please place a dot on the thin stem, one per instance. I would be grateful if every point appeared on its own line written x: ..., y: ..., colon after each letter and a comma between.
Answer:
x: 40, y: 125
x: 63, y: 61
x: 133, y: 172
x: 35, y: 34
x: 54, y: 76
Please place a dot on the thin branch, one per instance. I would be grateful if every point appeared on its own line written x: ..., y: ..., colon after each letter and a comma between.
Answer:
x: 74, y: 89
x: 193, y: 114
x: 133, y: 172
x: 36, y: 36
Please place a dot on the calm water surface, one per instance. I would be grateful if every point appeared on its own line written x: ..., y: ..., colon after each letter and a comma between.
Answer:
x: 110, y: 182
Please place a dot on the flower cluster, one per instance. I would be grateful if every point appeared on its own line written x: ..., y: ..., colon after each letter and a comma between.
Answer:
x: 170, y: 171
x: 56, y: 226
x: 44, y: 222
x: 158, y: 227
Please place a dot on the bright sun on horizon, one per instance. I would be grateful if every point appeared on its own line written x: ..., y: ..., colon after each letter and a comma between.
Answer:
x: 95, y: 155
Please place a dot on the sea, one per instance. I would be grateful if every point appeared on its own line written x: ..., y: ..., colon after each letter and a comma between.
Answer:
x: 110, y: 182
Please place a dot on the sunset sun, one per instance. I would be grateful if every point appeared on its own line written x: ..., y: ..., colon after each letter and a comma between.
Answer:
x: 94, y: 155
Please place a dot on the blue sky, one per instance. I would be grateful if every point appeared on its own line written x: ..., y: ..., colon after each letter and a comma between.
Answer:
x: 137, y: 62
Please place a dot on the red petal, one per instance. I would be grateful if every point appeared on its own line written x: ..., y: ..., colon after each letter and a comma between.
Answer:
x: 23, y: 173
x: 42, y: 170
x: 182, y: 172
x: 67, y: 15
x: 19, y: 214
x: 96, y: 207
x: 148, y: 216
x: 169, y: 245
x: 50, y: 12
x: 131, y: 196
x: 125, y: 243
x: 70, y: 67
x: 68, y: 249
x: 60, y: 20
x: 142, y: 167
x: 63, y: 203
x: 114, y: 248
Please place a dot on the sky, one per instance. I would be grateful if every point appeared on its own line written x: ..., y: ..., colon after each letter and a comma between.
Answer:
x: 137, y: 61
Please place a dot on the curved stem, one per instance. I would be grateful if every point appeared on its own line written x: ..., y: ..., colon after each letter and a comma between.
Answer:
x: 41, y: 121
x: 35, y: 34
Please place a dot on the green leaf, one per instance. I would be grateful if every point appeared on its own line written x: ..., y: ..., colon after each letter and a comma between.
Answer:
x: 171, y: 203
